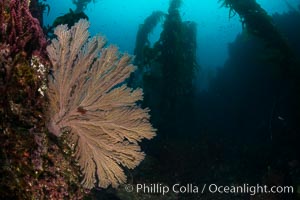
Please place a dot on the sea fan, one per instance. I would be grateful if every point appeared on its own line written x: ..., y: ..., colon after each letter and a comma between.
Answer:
x: 90, y: 101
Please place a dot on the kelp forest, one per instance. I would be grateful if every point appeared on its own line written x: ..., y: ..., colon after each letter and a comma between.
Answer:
x: 82, y: 120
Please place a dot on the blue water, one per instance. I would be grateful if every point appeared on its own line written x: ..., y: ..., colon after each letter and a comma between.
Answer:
x: 118, y: 20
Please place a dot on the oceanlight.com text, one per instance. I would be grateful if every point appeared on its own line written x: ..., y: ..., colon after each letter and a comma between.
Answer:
x: 159, y: 188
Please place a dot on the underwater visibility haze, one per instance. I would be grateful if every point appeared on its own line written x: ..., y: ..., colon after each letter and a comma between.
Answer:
x: 150, y: 99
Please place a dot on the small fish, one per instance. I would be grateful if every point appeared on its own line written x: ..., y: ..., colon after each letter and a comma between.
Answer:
x: 280, y: 118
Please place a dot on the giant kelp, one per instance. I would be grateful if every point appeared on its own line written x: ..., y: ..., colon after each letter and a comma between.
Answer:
x: 142, y: 41
x: 255, y: 111
x: 279, y: 50
x: 257, y: 22
x: 69, y: 18
x: 81, y: 5
x: 171, y: 64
